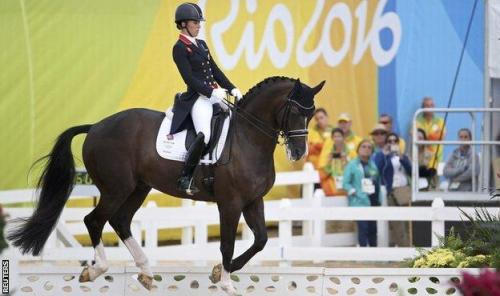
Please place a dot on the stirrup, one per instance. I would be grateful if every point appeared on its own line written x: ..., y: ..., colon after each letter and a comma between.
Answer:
x: 191, y: 190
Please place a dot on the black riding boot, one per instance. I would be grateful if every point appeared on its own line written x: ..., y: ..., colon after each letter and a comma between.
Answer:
x: 185, y: 182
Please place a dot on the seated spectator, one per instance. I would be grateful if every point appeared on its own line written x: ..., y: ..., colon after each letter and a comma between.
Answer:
x: 361, y: 182
x: 379, y: 135
x: 317, y: 136
x: 458, y: 168
x: 425, y: 155
x: 395, y: 171
x: 331, y: 175
x: 386, y: 120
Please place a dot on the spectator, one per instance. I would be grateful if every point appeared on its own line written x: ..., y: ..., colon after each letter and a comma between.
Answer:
x: 331, y: 175
x: 361, y: 181
x: 433, y: 126
x: 386, y: 120
x: 395, y: 170
x: 425, y: 155
x: 458, y: 168
x: 317, y: 136
x: 379, y: 134
x: 350, y: 139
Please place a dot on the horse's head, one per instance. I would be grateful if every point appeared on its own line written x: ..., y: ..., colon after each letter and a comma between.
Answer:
x: 295, y: 116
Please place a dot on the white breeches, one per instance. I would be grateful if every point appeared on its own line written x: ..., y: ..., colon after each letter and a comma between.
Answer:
x: 201, y: 113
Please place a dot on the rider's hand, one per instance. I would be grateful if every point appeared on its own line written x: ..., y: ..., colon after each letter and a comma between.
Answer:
x: 236, y: 93
x: 218, y: 95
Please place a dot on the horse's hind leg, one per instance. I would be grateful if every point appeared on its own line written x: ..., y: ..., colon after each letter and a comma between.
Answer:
x: 121, y: 224
x: 95, y: 220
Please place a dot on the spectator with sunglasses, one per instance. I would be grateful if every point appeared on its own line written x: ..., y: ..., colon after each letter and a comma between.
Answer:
x: 386, y: 120
x: 395, y: 171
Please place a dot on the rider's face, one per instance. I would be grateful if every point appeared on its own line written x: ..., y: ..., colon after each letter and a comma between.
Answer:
x: 193, y: 27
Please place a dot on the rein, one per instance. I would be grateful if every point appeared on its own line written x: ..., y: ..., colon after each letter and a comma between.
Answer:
x: 269, y: 131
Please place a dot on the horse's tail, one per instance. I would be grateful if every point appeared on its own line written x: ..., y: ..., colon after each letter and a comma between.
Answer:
x: 56, y: 184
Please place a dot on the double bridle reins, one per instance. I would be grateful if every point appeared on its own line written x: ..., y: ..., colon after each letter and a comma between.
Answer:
x: 282, y: 131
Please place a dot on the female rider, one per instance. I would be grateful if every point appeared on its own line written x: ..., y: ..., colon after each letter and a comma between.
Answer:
x: 202, y: 77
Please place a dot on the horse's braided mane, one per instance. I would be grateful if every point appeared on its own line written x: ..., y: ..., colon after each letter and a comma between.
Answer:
x: 255, y: 90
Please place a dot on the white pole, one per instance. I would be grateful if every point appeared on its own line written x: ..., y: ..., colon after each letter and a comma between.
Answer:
x: 437, y: 229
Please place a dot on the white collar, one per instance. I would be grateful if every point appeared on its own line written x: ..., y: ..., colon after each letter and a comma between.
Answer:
x: 192, y: 39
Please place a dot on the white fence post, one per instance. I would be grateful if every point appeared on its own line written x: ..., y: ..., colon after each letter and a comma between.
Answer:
x: 151, y: 232
x: 383, y: 225
x: 437, y: 224
x: 308, y: 195
x: 187, y: 232
x: 201, y: 232
x: 318, y: 224
x: 285, y: 233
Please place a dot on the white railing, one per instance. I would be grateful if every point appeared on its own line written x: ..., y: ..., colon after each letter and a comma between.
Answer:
x: 284, y: 248
x: 314, y: 243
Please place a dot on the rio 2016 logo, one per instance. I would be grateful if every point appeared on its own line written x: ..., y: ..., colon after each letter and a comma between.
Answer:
x: 280, y: 15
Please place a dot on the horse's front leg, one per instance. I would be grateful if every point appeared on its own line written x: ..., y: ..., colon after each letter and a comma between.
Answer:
x: 254, y: 216
x: 229, y: 216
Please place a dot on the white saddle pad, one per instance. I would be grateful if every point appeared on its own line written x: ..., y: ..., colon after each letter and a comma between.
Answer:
x: 173, y: 146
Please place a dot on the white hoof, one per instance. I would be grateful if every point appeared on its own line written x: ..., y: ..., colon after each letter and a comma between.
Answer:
x: 226, y: 285
x: 228, y: 288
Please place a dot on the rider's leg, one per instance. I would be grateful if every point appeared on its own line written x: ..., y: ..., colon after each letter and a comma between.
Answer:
x: 201, y: 115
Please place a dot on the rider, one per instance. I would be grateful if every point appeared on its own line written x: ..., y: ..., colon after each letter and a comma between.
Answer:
x: 202, y: 77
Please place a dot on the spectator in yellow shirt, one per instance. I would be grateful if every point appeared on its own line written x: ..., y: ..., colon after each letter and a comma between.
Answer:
x: 351, y: 140
x: 433, y: 126
x: 318, y: 134
x: 331, y: 175
x: 386, y: 120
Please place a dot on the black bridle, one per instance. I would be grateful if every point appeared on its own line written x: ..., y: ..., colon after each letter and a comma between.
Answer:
x: 283, y: 130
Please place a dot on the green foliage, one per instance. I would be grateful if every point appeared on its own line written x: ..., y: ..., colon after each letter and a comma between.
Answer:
x: 481, y: 249
x: 3, y: 243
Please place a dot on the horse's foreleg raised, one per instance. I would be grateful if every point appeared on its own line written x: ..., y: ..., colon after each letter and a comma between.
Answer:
x: 254, y: 216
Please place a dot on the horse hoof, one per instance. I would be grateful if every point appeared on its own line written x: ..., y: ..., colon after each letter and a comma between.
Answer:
x: 229, y: 289
x: 85, y: 275
x: 146, y: 281
x: 216, y: 273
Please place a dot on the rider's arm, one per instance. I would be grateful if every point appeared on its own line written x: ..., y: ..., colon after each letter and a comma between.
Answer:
x: 181, y: 60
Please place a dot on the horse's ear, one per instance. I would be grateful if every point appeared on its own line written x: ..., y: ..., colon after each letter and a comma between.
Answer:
x: 318, y: 87
x: 297, y: 83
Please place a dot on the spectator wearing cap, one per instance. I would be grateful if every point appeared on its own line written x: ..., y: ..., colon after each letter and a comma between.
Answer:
x: 378, y: 134
x: 458, y: 168
x: 386, y: 120
x: 318, y: 134
x: 362, y: 183
x: 351, y: 140
x: 433, y: 126
x: 395, y: 172
x: 331, y: 175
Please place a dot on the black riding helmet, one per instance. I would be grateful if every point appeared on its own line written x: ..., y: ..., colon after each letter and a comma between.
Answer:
x: 188, y: 11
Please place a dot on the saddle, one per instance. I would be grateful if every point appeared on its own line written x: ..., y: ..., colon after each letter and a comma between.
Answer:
x: 216, y: 125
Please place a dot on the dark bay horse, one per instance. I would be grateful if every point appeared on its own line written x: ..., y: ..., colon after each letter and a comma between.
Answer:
x: 120, y: 155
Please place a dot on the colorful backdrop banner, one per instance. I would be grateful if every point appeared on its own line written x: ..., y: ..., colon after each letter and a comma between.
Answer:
x: 68, y: 62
